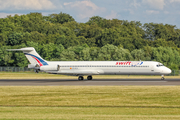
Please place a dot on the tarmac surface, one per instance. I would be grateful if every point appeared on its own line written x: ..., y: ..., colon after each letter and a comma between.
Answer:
x: 94, y: 82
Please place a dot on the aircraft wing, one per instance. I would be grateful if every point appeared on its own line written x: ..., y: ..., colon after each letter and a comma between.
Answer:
x: 77, y: 72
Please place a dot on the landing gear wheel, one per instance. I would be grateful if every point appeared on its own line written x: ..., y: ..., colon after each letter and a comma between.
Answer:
x: 89, y: 77
x: 162, y: 77
x: 80, y: 78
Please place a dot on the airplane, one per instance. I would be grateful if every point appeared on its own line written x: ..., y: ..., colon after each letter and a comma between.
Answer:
x: 89, y: 68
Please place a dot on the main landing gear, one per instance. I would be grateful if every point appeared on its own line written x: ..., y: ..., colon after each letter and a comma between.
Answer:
x: 89, y: 77
x: 82, y: 78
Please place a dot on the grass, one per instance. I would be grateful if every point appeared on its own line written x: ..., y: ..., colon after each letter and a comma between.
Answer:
x: 90, y: 102
x: 87, y: 102
x: 31, y: 75
x: 79, y: 113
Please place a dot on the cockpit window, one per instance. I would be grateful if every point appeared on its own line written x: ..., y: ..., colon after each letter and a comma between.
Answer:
x: 159, y: 65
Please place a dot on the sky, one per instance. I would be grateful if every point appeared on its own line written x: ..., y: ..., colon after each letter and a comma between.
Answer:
x: 145, y: 11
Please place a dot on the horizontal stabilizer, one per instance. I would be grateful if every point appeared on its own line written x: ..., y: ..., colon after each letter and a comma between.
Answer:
x: 28, y: 49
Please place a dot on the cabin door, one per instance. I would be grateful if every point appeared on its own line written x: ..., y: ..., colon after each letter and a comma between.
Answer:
x: 58, y: 67
x: 152, y: 69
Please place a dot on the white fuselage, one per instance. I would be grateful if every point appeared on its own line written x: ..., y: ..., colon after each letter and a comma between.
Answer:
x: 80, y: 68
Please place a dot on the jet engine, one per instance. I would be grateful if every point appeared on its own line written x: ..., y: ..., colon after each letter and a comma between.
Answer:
x: 36, y: 67
x: 50, y: 68
x: 33, y: 66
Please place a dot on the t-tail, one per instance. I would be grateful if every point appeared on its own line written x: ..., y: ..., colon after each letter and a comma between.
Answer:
x: 34, y: 58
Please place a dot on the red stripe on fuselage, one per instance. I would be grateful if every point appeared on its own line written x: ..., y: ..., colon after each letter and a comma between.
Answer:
x: 38, y: 61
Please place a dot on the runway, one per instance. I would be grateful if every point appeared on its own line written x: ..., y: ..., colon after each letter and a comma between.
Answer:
x: 95, y: 82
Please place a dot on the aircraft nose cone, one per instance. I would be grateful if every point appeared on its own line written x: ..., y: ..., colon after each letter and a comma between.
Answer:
x: 168, y: 71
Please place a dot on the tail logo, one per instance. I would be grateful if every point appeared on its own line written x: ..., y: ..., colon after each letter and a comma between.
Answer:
x: 39, y: 60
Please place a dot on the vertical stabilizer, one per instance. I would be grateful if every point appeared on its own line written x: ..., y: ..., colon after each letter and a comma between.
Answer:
x: 31, y: 54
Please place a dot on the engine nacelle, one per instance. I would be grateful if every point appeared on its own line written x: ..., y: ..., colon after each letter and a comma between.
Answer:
x: 34, y: 66
x: 31, y: 66
x: 49, y: 68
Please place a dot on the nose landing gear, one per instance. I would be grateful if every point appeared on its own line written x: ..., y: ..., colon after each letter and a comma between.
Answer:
x: 162, y: 77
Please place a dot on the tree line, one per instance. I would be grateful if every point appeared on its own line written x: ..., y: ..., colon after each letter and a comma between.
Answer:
x: 60, y: 37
